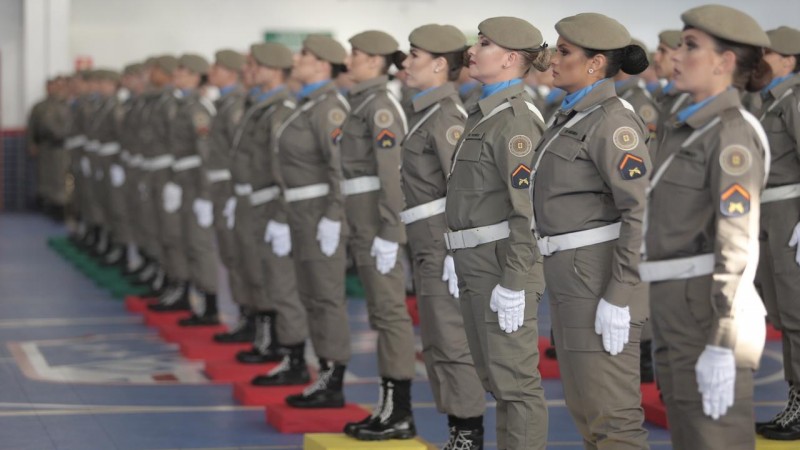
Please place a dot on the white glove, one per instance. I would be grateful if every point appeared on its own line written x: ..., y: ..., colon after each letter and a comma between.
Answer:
x: 117, y: 175
x: 328, y: 232
x: 716, y: 378
x: 449, y: 275
x: 794, y: 241
x: 86, y: 167
x: 204, y: 210
x: 279, y: 234
x: 385, y: 254
x: 614, y: 324
x: 172, y: 197
x: 509, y: 306
x: 230, y: 212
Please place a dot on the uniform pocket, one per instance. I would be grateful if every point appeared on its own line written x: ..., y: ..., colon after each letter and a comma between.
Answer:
x: 566, y: 147
x: 416, y: 142
x: 687, y: 170
x: 468, y: 175
x: 355, y: 126
x: 698, y: 300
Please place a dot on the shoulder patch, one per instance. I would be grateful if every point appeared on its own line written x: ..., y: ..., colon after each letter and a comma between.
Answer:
x: 336, y: 116
x: 385, y: 139
x: 735, y: 160
x: 202, y: 123
x: 336, y: 135
x: 632, y: 167
x: 625, y: 138
x: 520, y: 145
x: 383, y: 118
x: 734, y: 201
x: 521, y: 177
x: 648, y: 113
x: 453, y: 134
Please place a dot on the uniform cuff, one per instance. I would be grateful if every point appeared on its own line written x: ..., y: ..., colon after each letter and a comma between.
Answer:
x: 514, y: 281
x: 619, y: 294
x: 393, y: 234
x: 723, y: 333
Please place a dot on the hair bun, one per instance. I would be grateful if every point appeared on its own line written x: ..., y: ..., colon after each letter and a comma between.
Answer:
x: 634, y: 60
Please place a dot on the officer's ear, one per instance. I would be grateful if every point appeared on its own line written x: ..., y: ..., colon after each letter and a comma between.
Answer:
x: 598, y: 63
x: 511, y: 59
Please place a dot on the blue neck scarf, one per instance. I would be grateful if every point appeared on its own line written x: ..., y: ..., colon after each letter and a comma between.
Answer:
x: 773, y: 83
x: 553, y: 95
x: 669, y: 87
x: 572, y: 99
x: 489, y: 89
x: 466, y: 87
x: 310, y: 88
x: 652, y: 86
x: 265, y: 95
x: 420, y: 94
x: 690, y: 110
x: 223, y: 91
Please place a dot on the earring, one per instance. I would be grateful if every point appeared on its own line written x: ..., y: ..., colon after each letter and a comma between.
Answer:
x: 591, y: 71
x: 435, y: 70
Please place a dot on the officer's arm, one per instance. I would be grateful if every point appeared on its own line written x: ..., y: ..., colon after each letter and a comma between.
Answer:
x: 620, y: 154
x: 736, y: 176
x: 448, y: 128
x: 279, y: 213
x: 201, y: 123
x: 791, y: 118
x: 327, y: 122
x: 512, y: 150
x: 387, y: 126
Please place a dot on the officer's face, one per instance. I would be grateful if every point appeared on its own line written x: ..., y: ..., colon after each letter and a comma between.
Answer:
x: 304, y: 66
x: 423, y: 71
x: 662, y: 61
x: 779, y: 64
x: 489, y: 62
x: 571, y: 67
x: 700, y: 69
x: 363, y: 66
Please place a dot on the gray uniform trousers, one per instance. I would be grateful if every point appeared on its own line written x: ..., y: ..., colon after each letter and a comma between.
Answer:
x: 682, y: 317
x: 506, y: 363
x: 154, y: 207
x: 198, y: 242
x: 456, y: 387
x: 602, y: 391
x: 247, y: 256
x: 385, y: 294
x: 220, y: 192
x: 779, y: 277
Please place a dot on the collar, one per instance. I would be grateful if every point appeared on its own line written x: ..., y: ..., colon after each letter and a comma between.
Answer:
x: 491, y: 102
x: 622, y: 86
x: 223, y: 91
x: 379, y: 81
x: 653, y: 86
x: 464, y: 89
x: 308, y: 89
x: 589, y: 96
x: 699, y: 114
x: 554, y: 95
x: 490, y: 89
x: 428, y: 97
x: 780, y: 85
x: 264, y: 96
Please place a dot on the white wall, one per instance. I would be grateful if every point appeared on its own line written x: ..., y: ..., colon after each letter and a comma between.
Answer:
x: 11, y: 50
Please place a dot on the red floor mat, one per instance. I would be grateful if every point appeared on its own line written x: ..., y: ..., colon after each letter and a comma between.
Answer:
x: 294, y: 420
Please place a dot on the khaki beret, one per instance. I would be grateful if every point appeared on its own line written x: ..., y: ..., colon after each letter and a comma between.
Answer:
x: 133, y: 69
x: 166, y: 63
x: 325, y: 48
x: 594, y: 31
x: 230, y: 59
x: 272, y: 54
x: 105, y: 75
x: 511, y: 32
x: 726, y: 23
x: 374, y: 42
x: 437, y: 38
x: 150, y: 61
x: 195, y: 63
x: 670, y: 38
x: 784, y: 40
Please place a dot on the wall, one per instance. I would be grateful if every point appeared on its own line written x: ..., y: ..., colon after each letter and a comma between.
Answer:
x: 11, y: 51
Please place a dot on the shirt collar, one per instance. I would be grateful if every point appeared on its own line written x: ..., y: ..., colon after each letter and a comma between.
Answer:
x: 223, y: 91
x: 308, y: 89
x: 464, y: 89
x: 369, y: 84
x: 264, y: 96
x: 575, y: 99
x: 491, y: 89
x: 428, y: 97
x: 778, y: 86
x: 554, y: 95
x: 699, y: 114
x: 491, y: 102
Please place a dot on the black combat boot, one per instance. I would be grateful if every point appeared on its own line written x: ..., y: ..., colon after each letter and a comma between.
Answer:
x: 243, y: 332
x: 175, y: 298
x: 326, y: 392
x: 265, y: 345
x: 209, y: 317
x: 291, y: 371
x: 396, y: 420
x: 351, y: 428
x: 115, y: 255
x: 465, y: 434
x: 786, y: 425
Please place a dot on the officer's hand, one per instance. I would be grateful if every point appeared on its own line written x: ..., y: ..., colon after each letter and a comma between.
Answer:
x: 509, y: 306
x: 385, y: 254
x: 230, y: 212
x: 614, y: 324
x: 449, y: 275
x: 117, y: 175
x: 280, y: 236
x: 204, y: 211
x: 328, y: 232
x: 794, y: 241
x: 172, y: 197
x: 716, y: 378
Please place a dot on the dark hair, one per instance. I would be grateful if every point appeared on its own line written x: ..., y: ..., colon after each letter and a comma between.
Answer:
x: 631, y: 59
x: 203, y: 79
x: 393, y: 59
x: 752, y: 73
x: 337, y: 69
x: 537, y: 58
x: 455, y: 61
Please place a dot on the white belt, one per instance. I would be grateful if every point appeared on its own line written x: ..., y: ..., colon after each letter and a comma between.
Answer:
x: 551, y: 244
x: 109, y: 149
x: 780, y: 193
x: 215, y: 176
x: 474, y: 237
x: 136, y: 161
x: 186, y: 163
x: 677, y: 269
x: 158, y: 163
x: 92, y: 146
x: 75, y: 142
x: 360, y: 185
x: 306, y: 192
x: 243, y: 189
x: 265, y: 195
x: 423, y: 211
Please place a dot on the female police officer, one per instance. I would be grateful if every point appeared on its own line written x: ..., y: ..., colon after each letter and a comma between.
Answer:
x: 701, y: 237
x: 588, y: 199
x: 489, y: 210
x: 435, y: 60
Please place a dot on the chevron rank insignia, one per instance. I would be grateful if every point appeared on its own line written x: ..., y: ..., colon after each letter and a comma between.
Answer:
x: 632, y: 167
x: 385, y: 139
x: 521, y: 177
x: 734, y: 201
x: 336, y: 135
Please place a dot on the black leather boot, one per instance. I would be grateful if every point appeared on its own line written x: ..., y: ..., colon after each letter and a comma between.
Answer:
x: 292, y: 371
x: 465, y: 434
x: 209, y: 317
x: 265, y: 345
x: 351, y: 428
x: 786, y: 425
x: 396, y: 420
x: 326, y: 392
x: 243, y: 332
x: 174, y: 299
